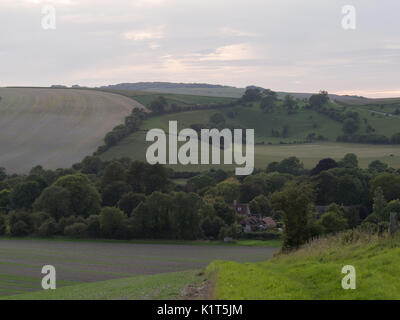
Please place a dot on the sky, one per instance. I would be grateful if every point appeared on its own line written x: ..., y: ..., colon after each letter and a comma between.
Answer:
x: 285, y: 45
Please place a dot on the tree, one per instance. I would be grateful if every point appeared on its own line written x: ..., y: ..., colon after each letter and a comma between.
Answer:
x: 115, y: 171
x: 217, y: 118
x: 390, y: 184
x: 261, y: 205
x: 5, y: 200
x: 185, y: 216
x: 211, y: 226
x: 3, y: 174
x: 295, y: 202
x: 378, y: 166
x: 392, y: 206
x: 200, y: 182
x: 319, y: 100
x: 85, y: 200
x: 333, y: 222
x: 113, y: 192
x: 151, y: 219
x: 158, y: 105
x: 248, y: 191
x: 350, y: 160
x: 24, y: 194
x: 251, y: 94
x: 225, y: 212
x: 91, y: 165
x: 146, y: 178
x: 350, y: 126
x: 228, y: 189
x: 289, y: 103
x: 291, y: 165
x: 129, y: 201
x: 268, y: 100
x: 112, y: 222
x: 323, y: 165
x: 55, y: 201
x: 379, y: 204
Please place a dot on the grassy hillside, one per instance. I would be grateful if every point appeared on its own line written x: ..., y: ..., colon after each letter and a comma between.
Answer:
x: 181, y: 100
x: 55, y: 127
x: 269, y: 148
x: 314, y: 272
x: 163, y: 286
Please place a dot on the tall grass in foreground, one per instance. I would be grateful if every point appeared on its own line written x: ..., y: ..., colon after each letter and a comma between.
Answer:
x: 314, y: 271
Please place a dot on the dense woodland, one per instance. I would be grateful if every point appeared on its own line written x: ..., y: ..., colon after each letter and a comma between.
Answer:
x: 133, y: 200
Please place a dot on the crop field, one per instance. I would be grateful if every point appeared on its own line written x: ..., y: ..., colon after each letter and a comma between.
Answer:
x: 181, y: 100
x: 135, y: 147
x: 55, y: 127
x: 82, y: 262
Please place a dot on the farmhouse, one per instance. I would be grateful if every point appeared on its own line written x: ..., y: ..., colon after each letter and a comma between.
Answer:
x: 252, y: 222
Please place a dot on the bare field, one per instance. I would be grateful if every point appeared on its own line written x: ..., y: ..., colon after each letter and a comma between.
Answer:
x: 21, y: 261
x: 55, y: 127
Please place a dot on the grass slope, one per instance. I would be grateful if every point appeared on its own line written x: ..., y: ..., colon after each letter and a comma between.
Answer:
x: 269, y: 148
x: 164, y: 286
x: 55, y: 127
x: 314, y: 272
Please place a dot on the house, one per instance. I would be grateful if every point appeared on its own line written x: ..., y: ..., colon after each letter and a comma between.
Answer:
x: 241, y: 209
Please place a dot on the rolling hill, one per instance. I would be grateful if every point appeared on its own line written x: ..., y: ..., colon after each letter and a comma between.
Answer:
x: 55, y: 127
x: 274, y: 148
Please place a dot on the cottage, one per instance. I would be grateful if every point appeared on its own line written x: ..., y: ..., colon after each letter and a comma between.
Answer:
x: 241, y: 209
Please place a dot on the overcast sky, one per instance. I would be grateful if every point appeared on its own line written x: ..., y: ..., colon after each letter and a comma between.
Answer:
x: 286, y: 45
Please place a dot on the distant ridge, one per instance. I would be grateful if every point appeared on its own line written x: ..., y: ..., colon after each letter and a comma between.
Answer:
x: 162, y: 85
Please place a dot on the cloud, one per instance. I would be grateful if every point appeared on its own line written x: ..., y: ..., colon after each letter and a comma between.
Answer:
x: 241, y: 51
x: 145, y: 34
x: 226, y: 31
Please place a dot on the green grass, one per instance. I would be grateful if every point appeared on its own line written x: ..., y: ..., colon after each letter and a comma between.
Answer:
x: 314, y: 272
x: 248, y: 243
x: 268, y: 148
x: 164, y: 286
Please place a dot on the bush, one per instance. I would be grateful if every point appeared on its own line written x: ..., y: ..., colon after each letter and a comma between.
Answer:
x: 112, y: 222
x: 262, y: 235
x: 77, y: 229
x: 211, y: 226
x: 93, y: 226
x: 3, y: 225
x: 234, y: 231
x: 48, y: 228
x: 20, y: 228
x: 21, y: 223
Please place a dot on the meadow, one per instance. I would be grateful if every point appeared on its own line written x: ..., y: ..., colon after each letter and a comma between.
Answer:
x: 314, y: 272
x: 145, y: 265
x: 55, y: 127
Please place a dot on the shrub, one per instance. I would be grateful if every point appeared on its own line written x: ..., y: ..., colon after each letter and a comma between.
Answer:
x: 20, y: 228
x: 234, y: 231
x: 112, y: 222
x: 3, y: 225
x: 77, y: 229
x: 262, y: 235
x: 93, y: 226
x: 21, y: 223
x: 48, y: 228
